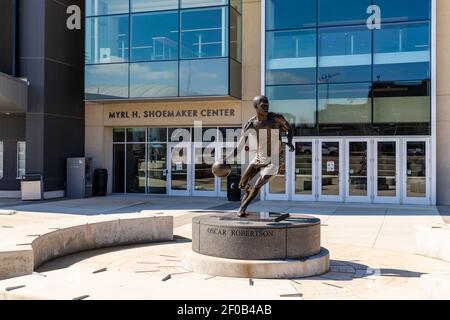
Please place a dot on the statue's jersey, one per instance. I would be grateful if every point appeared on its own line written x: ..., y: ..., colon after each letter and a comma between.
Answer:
x: 269, y: 149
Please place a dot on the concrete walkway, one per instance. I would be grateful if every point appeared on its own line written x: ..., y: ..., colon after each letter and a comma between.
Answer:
x: 372, y: 250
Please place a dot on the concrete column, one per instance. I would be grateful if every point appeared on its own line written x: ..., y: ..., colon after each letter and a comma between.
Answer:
x: 443, y: 102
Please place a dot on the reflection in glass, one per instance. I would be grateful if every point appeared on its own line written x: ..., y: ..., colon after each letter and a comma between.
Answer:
x: 291, y: 14
x: 119, y: 168
x: 402, y: 52
x: 156, y: 168
x: 343, y: 12
x: 303, y: 168
x: 291, y: 57
x: 153, y: 5
x: 179, y: 169
x: 154, y: 36
x: 104, y: 7
x: 106, y: 81
x: 235, y: 35
x: 204, y: 178
x: 136, y: 135
x: 157, y: 135
x: 119, y: 135
x: 201, y: 3
x: 207, y: 77
x: 404, y: 10
x: 297, y: 104
x: 357, y: 169
x: 135, y: 168
x: 402, y: 108
x: 345, y: 54
x: 107, y: 39
x: 387, y: 169
x: 204, y: 33
x: 330, y: 169
x: 416, y: 184
x: 345, y: 108
x: 154, y: 79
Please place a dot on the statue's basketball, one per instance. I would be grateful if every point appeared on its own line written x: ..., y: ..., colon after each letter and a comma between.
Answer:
x: 221, y: 170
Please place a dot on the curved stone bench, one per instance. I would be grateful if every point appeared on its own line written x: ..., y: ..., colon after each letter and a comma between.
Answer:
x: 23, y: 250
x: 433, y: 241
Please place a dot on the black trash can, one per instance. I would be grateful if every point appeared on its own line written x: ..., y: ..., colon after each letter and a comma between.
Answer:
x: 100, y: 182
x: 233, y: 191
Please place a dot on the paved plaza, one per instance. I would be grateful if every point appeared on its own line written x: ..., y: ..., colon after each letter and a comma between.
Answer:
x: 372, y: 249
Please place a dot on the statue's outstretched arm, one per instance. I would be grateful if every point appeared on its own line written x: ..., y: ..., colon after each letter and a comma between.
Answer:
x: 287, y: 128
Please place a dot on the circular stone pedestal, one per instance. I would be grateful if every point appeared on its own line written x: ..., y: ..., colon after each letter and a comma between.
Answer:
x: 256, y: 237
x: 258, y: 269
x: 261, y: 245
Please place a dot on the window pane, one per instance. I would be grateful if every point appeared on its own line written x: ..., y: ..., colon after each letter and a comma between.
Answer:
x: 402, y: 52
x: 345, y: 108
x: 157, y: 168
x: 153, y: 5
x: 204, y: 77
x: 291, y: 57
x: 291, y: 14
x: 297, y: 104
x: 154, y: 36
x: 404, y: 10
x: 345, y: 54
x: 204, y: 33
x: 304, y: 168
x: 202, y: 3
x: 136, y: 168
x: 119, y: 168
x: 402, y: 108
x: 235, y: 35
x: 107, y: 39
x: 157, y: 135
x: 104, y: 7
x: 118, y: 135
x: 154, y: 79
x: 416, y: 166
x: 343, y: 12
x: 107, y: 81
x: 136, y: 135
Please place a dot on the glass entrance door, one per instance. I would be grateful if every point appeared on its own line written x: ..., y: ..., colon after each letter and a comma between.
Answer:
x: 157, y: 168
x: 179, y: 169
x: 330, y: 170
x: 416, y: 189
x: 304, y: 183
x: 387, y: 170
x: 277, y: 188
x: 135, y: 168
x: 358, y: 170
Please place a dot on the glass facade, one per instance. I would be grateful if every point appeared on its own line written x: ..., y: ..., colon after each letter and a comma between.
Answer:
x: 146, y: 160
x: 331, y: 71
x: 141, y: 49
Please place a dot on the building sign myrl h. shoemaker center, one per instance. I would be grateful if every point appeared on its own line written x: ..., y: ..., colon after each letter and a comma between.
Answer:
x: 173, y: 114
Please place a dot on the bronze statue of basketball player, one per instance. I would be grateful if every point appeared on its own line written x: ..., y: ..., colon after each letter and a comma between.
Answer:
x: 263, y: 162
